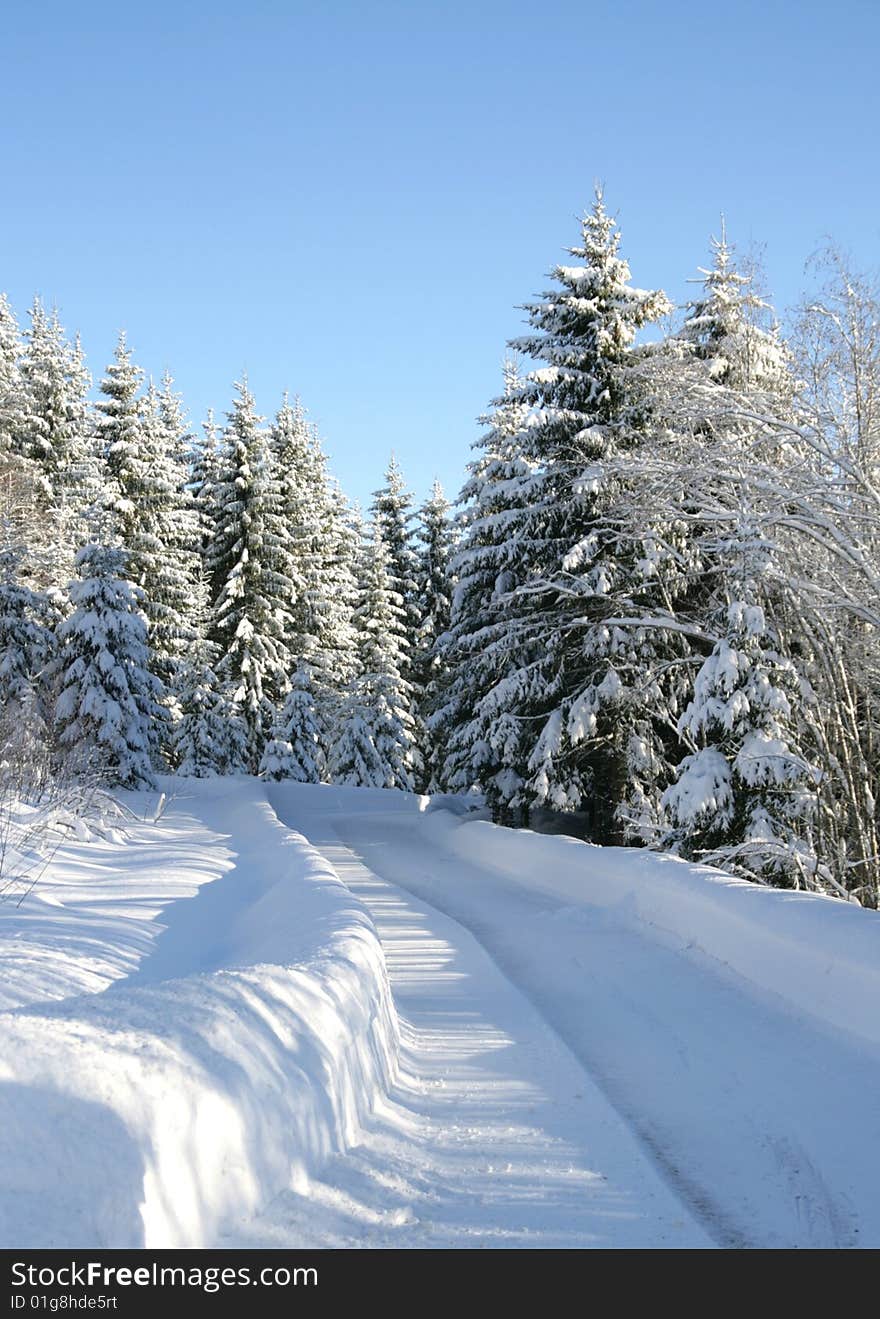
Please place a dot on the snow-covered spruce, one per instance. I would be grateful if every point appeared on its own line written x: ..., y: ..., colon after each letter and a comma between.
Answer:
x: 724, y: 327
x: 209, y: 736
x: 204, y: 475
x: 107, y: 712
x: 374, y: 745
x: 562, y: 711
x: 26, y: 647
x: 11, y: 384
x: 745, y: 796
x: 119, y: 428
x: 320, y: 555
x: 54, y: 423
x: 295, y: 750
x: 162, y: 536
x: 478, y: 748
x: 430, y: 670
x: 251, y: 613
x: 393, y: 514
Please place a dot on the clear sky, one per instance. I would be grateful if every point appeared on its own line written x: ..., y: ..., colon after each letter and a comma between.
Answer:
x: 348, y: 200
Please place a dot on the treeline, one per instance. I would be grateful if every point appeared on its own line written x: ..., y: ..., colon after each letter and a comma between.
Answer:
x: 655, y: 609
x: 205, y: 607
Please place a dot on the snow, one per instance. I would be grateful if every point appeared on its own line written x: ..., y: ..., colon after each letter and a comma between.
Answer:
x: 730, y: 1025
x: 95, y: 913
x: 241, y: 1049
x: 820, y: 955
x: 492, y: 1134
x: 702, y: 790
x: 585, y: 1046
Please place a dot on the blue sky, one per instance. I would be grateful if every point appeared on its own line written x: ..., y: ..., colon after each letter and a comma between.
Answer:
x: 349, y: 200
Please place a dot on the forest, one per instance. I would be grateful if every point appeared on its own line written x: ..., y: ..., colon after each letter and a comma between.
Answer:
x: 652, y: 607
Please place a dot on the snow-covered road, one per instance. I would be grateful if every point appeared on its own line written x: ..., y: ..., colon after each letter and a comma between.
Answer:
x: 494, y: 1135
x: 570, y: 1078
x: 585, y: 1046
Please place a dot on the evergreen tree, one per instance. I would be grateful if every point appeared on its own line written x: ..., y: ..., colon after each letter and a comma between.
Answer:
x: 374, y: 746
x: 107, y: 709
x: 204, y: 481
x: 321, y: 548
x: 163, y: 531
x: 120, y: 437
x: 337, y: 660
x: 77, y: 484
x: 226, y: 495
x: 209, y: 736
x: 480, y: 748
x: 251, y: 619
x: 562, y: 712
x: 586, y: 406
x: 745, y: 795
x: 434, y: 610
x: 179, y: 455
x: 26, y: 646
x: 53, y: 432
x: 302, y: 492
x: 392, y: 512
x: 143, y: 438
x: 55, y: 385
x: 743, y: 376
x: 724, y: 328
x: 11, y: 385
x: 295, y: 749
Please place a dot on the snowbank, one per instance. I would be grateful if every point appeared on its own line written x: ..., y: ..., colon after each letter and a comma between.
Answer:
x: 819, y: 954
x: 97, y: 911
x: 247, y: 1048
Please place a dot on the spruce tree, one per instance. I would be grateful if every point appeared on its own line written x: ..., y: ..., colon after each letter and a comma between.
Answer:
x: 727, y: 802
x: 203, y: 483
x: 180, y: 453
x: 55, y: 384
x: 229, y: 487
x: 251, y: 616
x: 143, y: 438
x: 120, y: 437
x: 375, y: 745
x: 393, y: 513
x: 54, y: 433
x: 295, y: 750
x: 724, y: 328
x: 430, y: 670
x: 163, y: 531
x: 744, y: 796
x: 480, y: 748
x: 337, y: 659
x: 209, y: 736
x: 321, y: 550
x: 26, y: 647
x: 561, y: 714
x: 11, y: 384
x: 183, y: 535
x: 587, y: 405
x: 107, y: 712
x: 666, y: 513
x: 302, y: 494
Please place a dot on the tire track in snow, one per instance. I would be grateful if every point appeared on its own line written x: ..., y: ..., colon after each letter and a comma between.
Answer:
x: 493, y: 1135
x: 712, y: 1077
x: 696, y: 1199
